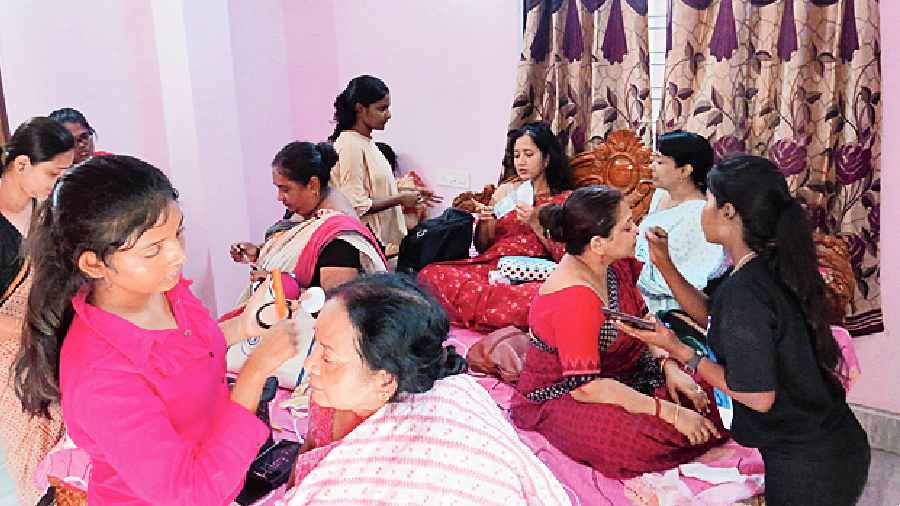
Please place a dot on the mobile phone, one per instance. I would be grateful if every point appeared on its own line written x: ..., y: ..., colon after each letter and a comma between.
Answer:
x: 634, y: 321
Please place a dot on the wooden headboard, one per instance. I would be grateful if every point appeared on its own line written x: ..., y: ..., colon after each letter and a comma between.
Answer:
x: 622, y: 162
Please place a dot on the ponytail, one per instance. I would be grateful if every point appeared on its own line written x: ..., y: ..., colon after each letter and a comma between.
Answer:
x: 364, y: 90
x: 793, y: 260
x: 56, y: 280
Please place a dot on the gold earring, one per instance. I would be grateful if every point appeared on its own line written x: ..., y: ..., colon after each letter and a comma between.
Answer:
x: 384, y: 396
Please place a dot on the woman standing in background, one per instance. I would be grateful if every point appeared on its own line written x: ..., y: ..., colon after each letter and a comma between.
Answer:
x: 362, y: 173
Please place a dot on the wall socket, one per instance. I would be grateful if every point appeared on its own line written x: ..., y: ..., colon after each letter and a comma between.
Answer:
x: 455, y: 179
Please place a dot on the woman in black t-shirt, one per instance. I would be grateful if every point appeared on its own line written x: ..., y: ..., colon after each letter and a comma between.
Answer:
x: 777, y: 357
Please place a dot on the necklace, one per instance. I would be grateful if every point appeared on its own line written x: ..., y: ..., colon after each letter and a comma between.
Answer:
x: 743, y: 260
x: 597, y: 282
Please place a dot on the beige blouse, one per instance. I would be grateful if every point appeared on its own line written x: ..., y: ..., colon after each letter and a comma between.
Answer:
x: 363, y: 174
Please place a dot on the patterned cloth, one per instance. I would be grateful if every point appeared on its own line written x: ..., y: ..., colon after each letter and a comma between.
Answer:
x: 26, y: 439
x: 450, y: 445
x: 463, y: 288
x: 696, y: 259
x: 613, y: 441
x: 799, y: 83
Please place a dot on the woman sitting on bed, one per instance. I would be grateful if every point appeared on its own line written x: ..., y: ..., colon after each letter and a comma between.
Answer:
x: 393, y: 419
x: 463, y: 286
x: 320, y: 242
x: 679, y: 173
x: 595, y: 393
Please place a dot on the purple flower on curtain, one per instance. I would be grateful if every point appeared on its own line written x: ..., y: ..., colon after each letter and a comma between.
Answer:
x: 853, y: 163
x: 573, y: 41
x: 857, y: 247
x: 726, y: 146
x: 875, y: 218
x: 540, y: 45
x: 614, y: 45
x: 695, y: 4
x: 849, y: 41
x: 789, y: 156
x: 724, y: 38
x: 787, y: 36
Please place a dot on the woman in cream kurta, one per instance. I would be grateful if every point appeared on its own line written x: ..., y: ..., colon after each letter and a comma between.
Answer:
x: 363, y: 174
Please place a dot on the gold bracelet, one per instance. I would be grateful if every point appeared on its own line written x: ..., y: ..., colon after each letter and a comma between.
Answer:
x: 662, y: 363
x: 675, y: 423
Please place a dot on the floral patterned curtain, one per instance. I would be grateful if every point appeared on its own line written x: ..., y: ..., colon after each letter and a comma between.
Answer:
x: 585, y: 69
x: 797, y: 81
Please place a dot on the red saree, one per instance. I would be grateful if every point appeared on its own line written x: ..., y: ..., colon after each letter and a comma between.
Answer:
x: 573, y: 341
x: 462, y: 286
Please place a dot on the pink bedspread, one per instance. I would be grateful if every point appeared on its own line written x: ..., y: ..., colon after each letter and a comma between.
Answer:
x: 739, y: 469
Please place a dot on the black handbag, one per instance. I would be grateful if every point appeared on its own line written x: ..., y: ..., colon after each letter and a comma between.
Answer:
x: 447, y: 237
x: 273, y: 464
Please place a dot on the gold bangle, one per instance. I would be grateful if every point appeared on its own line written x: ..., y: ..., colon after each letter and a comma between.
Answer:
x: 662, y: 363
x: 675, y: 423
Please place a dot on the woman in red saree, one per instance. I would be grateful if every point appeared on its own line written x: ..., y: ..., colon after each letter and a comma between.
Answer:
x: 598, y: 395
x: 463, y: 287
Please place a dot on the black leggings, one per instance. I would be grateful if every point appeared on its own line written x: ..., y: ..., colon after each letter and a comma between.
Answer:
x: 828, y: 472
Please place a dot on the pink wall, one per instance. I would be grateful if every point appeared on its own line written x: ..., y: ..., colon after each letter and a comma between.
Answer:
x: 210, y: 93
x: 99, y: 58
x: 451, y: 68
x: 879, y: 354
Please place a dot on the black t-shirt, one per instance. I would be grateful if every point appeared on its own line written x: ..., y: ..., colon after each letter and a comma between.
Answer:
x: 760, y: 336
x: 337, y: 253
x: 10, y: 253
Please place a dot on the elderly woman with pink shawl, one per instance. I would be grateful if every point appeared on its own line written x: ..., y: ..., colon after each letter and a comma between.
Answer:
x: 392, y: 418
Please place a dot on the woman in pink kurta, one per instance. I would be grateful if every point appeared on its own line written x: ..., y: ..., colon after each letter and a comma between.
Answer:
x: 141, y: 362
x: 463, y: 286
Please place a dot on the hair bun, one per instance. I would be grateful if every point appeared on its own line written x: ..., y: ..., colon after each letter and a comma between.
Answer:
x: 328, y: 154
x: 553, y: 219
x: 454, y: 363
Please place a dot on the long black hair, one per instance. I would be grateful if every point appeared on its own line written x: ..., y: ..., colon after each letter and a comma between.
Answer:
x: 364, y: 90
x: 102, y: 205
x: 688, y: 148
x: 777, y: 228
x: 40, y: 139
x: 401, y: 330
x: 558, y: 172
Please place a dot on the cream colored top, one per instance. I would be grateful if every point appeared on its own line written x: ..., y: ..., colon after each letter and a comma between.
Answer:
x: 363, y: 174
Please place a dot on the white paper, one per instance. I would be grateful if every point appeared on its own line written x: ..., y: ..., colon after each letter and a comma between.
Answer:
x: 524, y: 193
x: 714, y: 475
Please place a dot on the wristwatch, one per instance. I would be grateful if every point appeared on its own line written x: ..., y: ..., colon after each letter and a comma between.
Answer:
x: 692, y: 363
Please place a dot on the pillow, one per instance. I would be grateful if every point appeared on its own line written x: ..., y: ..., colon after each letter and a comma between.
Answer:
x: 518, y: 268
